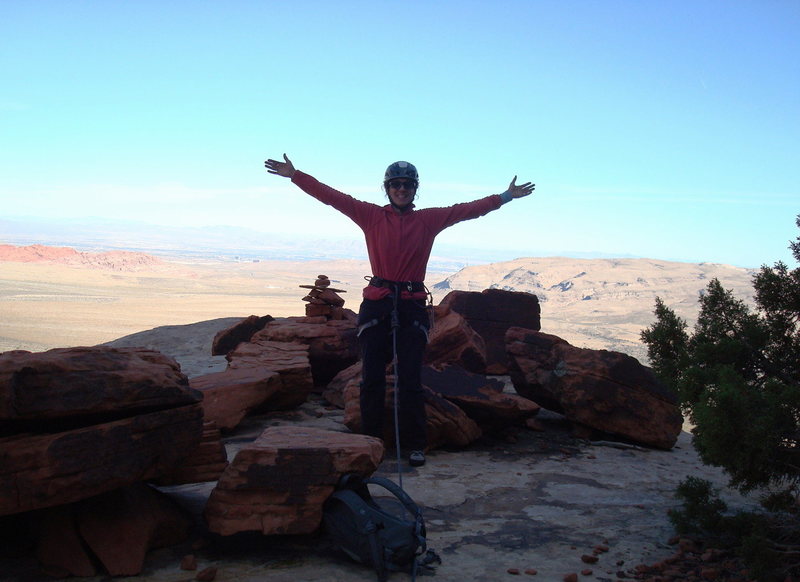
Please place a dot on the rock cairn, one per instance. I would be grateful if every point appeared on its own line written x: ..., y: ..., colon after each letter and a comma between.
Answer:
x: 323, y: 300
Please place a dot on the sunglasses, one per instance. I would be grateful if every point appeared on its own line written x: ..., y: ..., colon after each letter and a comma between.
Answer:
x: 407, y: 184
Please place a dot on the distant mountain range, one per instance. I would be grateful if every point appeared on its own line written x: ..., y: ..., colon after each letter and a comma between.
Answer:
x: 594, y: 303
x: 599, y: 303
x: 603, y: 303
x: 223, y: 242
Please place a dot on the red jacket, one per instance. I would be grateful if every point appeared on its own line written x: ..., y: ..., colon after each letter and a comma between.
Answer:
x: 399, y: 245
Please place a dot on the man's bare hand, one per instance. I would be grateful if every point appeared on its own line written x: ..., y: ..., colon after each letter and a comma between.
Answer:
x: 285, y: 168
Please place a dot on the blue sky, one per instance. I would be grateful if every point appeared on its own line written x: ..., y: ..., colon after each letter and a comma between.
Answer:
x: 663, y: 129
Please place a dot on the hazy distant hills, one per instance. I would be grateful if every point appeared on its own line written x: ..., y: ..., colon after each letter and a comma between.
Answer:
x: 603, y: 303
x: 89, y: 234
x: 600, y: 303
x: 108, y: 260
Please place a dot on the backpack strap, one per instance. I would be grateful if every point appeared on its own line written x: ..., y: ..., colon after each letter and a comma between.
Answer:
x: 408, y: 503
x: 395, y: 490
x: 375, y: 548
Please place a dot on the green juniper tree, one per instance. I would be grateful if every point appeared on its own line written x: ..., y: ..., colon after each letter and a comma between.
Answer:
x: 737, y: 376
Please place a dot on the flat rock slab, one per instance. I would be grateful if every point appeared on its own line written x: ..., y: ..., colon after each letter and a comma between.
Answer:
x: 288, y: 359
x: 43, y: 470
x: 231, y: 395
x: 278, y: 484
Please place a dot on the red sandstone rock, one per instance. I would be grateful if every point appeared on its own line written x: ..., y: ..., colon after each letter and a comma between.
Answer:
x: 207, y: 574
x: 453, y: 341
x: 571, y: 577
x: 231, y: 395
x: 60, y: 549
x: 76, y: 422
x: 490, y: 313
x: 122, y: 525
x: 334, y: 391
x: 51, y: 469
x: 447, y: 424
x: 608, y: 391
x: 226, y: 340
x: 481, y: 398
x: 278, y: 484
x: 117, y: 527
x: 189, y: 562
x: 332, y: 346
x: 65, y: 384
x: 288, y: 359
x: 205, y: 463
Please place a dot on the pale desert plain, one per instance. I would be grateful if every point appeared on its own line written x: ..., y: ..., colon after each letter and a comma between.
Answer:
x: 535, y: 505
x: 593, y: 303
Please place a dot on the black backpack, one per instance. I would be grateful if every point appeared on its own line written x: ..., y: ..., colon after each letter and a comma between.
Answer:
x: 369, y: 534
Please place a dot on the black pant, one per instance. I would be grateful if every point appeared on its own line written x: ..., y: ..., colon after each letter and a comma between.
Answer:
x: 376, y: 341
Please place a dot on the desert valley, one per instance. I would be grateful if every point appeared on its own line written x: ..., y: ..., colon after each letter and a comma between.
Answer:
x: 56, y: 297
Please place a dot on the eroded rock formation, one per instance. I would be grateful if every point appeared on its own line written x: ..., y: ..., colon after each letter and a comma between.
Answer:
x: 607, y: 391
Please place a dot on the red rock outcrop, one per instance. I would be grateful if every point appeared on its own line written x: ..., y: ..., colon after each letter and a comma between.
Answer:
x: 288, y: 359
x: 226, y: 340
x: 205, y: 463
x: 278, y: 484
x: 482, y: 399
x: 70, y: 385
x: 446, y: 425
x: 77, y: 422
x: 117, y: 528
x: 608, y: 391
x: 231, y: 395
x: 490, y: 313
x: 334, y: 391
x: 332, y: 344
x: 110, y: 260
x: 453, y: 341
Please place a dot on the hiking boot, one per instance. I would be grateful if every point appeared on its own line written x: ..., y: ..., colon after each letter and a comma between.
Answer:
x: 416, y: 458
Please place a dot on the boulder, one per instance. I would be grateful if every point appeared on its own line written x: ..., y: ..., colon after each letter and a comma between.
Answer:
x: 490, y: 313
x: 332, y: 344
x: 74, y: 386
x: 77, y: 422
x: 205, y: 463
x: 117, y: 528
x: 288, y: 359
x: 482, y: 399
x: 334, y: 391
x: 226, y: 340
x: 607, y: 391
x: 232, y: 394
x: 278, y: 483
x: 42, y: 470
x: 453, y: 341
x: 447, y: 424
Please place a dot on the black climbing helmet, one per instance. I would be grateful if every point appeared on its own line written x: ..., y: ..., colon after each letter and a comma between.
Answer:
x: 401, y: 170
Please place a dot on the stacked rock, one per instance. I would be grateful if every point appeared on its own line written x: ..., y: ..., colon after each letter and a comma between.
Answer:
x: 323, y: 300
